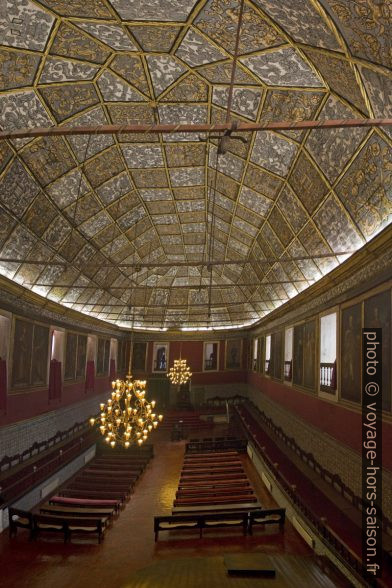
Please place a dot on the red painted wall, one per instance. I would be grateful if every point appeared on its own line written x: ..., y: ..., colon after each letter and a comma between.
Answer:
x: 31, y: 403
x: 192, y: 351
x: 338, y: 421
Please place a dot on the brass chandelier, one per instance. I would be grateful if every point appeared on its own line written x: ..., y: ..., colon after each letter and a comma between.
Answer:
x: 127, y: 417
x: 180, y: 373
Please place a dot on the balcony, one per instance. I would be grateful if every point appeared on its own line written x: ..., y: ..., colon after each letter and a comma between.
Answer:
x: 328, y: 377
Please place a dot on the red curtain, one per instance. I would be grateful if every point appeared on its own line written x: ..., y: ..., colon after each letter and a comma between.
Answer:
x: 55, y: 383
x: 112, y: 370
x: 333, y: 377
x: 3, y: 384
x: 90, y: 376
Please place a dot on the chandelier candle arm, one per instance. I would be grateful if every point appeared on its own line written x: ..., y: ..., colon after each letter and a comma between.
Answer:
x: 127, y: 417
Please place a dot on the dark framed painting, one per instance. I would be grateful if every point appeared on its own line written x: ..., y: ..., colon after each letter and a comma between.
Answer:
x: 22, y: 353
x: 101, y: 357
x: 298, y: 353
x: 81, y: 356
x: 233, y: 353
x: 377, y: 314
x: 70, y: 356
x: 276, y: 355
x: 309, y: 354
x: 351, y: 353
x: 139, y: 353
x: 39, y: 367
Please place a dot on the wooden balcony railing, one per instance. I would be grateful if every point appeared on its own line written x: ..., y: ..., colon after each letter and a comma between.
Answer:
x: 160, y: 366
x: 210, y: 364
x: 288, y: 372
x: 328, y: 377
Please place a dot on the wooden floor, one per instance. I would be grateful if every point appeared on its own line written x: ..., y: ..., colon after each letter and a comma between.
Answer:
x: 129, y: 557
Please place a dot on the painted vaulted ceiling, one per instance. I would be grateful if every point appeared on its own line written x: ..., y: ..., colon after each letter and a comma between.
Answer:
x: 280, y: 205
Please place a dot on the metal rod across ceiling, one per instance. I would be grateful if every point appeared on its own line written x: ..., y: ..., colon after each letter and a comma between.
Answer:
x: 194, y: 128
x: 141, y: 265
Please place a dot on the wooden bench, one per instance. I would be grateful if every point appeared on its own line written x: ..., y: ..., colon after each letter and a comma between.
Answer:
x: 48, y: 523
x: 85, y: 502
x: 117, y: 466
x: 98, y: 486
x: 95, y: 494
x: 231, y: 499
x: 214, y: 477
x: 200, y: 521
x: 213, y: 484
x: 212, y: 508
x: 20, y: 518
x: 215, y: 454
x: 68, y: 525
x: 222, y: 491
x: 110, y: 481
x: 206, y: 473
x: 213, y: 467
x: 109, y: 472
x: 77, y: 511
x: 267, y: 517
x: 210, y: 459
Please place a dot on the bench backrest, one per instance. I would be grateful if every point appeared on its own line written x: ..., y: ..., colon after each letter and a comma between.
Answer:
x: 200, y: 519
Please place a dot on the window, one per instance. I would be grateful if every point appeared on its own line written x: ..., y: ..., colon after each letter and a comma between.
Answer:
x: 255, y: 350
x: 288, y: 354
x: 211, y: 356
x: 328, y: 324
x: 160, y: 357
x: 267, y: 354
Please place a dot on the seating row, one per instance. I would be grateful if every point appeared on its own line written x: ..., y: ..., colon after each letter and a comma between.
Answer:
x: 109, y: 476
x: 202, y: 476
x: 215, y: 445
x: 246, y: 520
x: 65, y: 523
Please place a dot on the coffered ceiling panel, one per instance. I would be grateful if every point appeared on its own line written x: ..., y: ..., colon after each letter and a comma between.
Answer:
x: 163, y: 231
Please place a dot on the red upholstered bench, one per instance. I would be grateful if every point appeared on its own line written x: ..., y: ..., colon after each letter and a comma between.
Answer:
x: 81, y: 501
